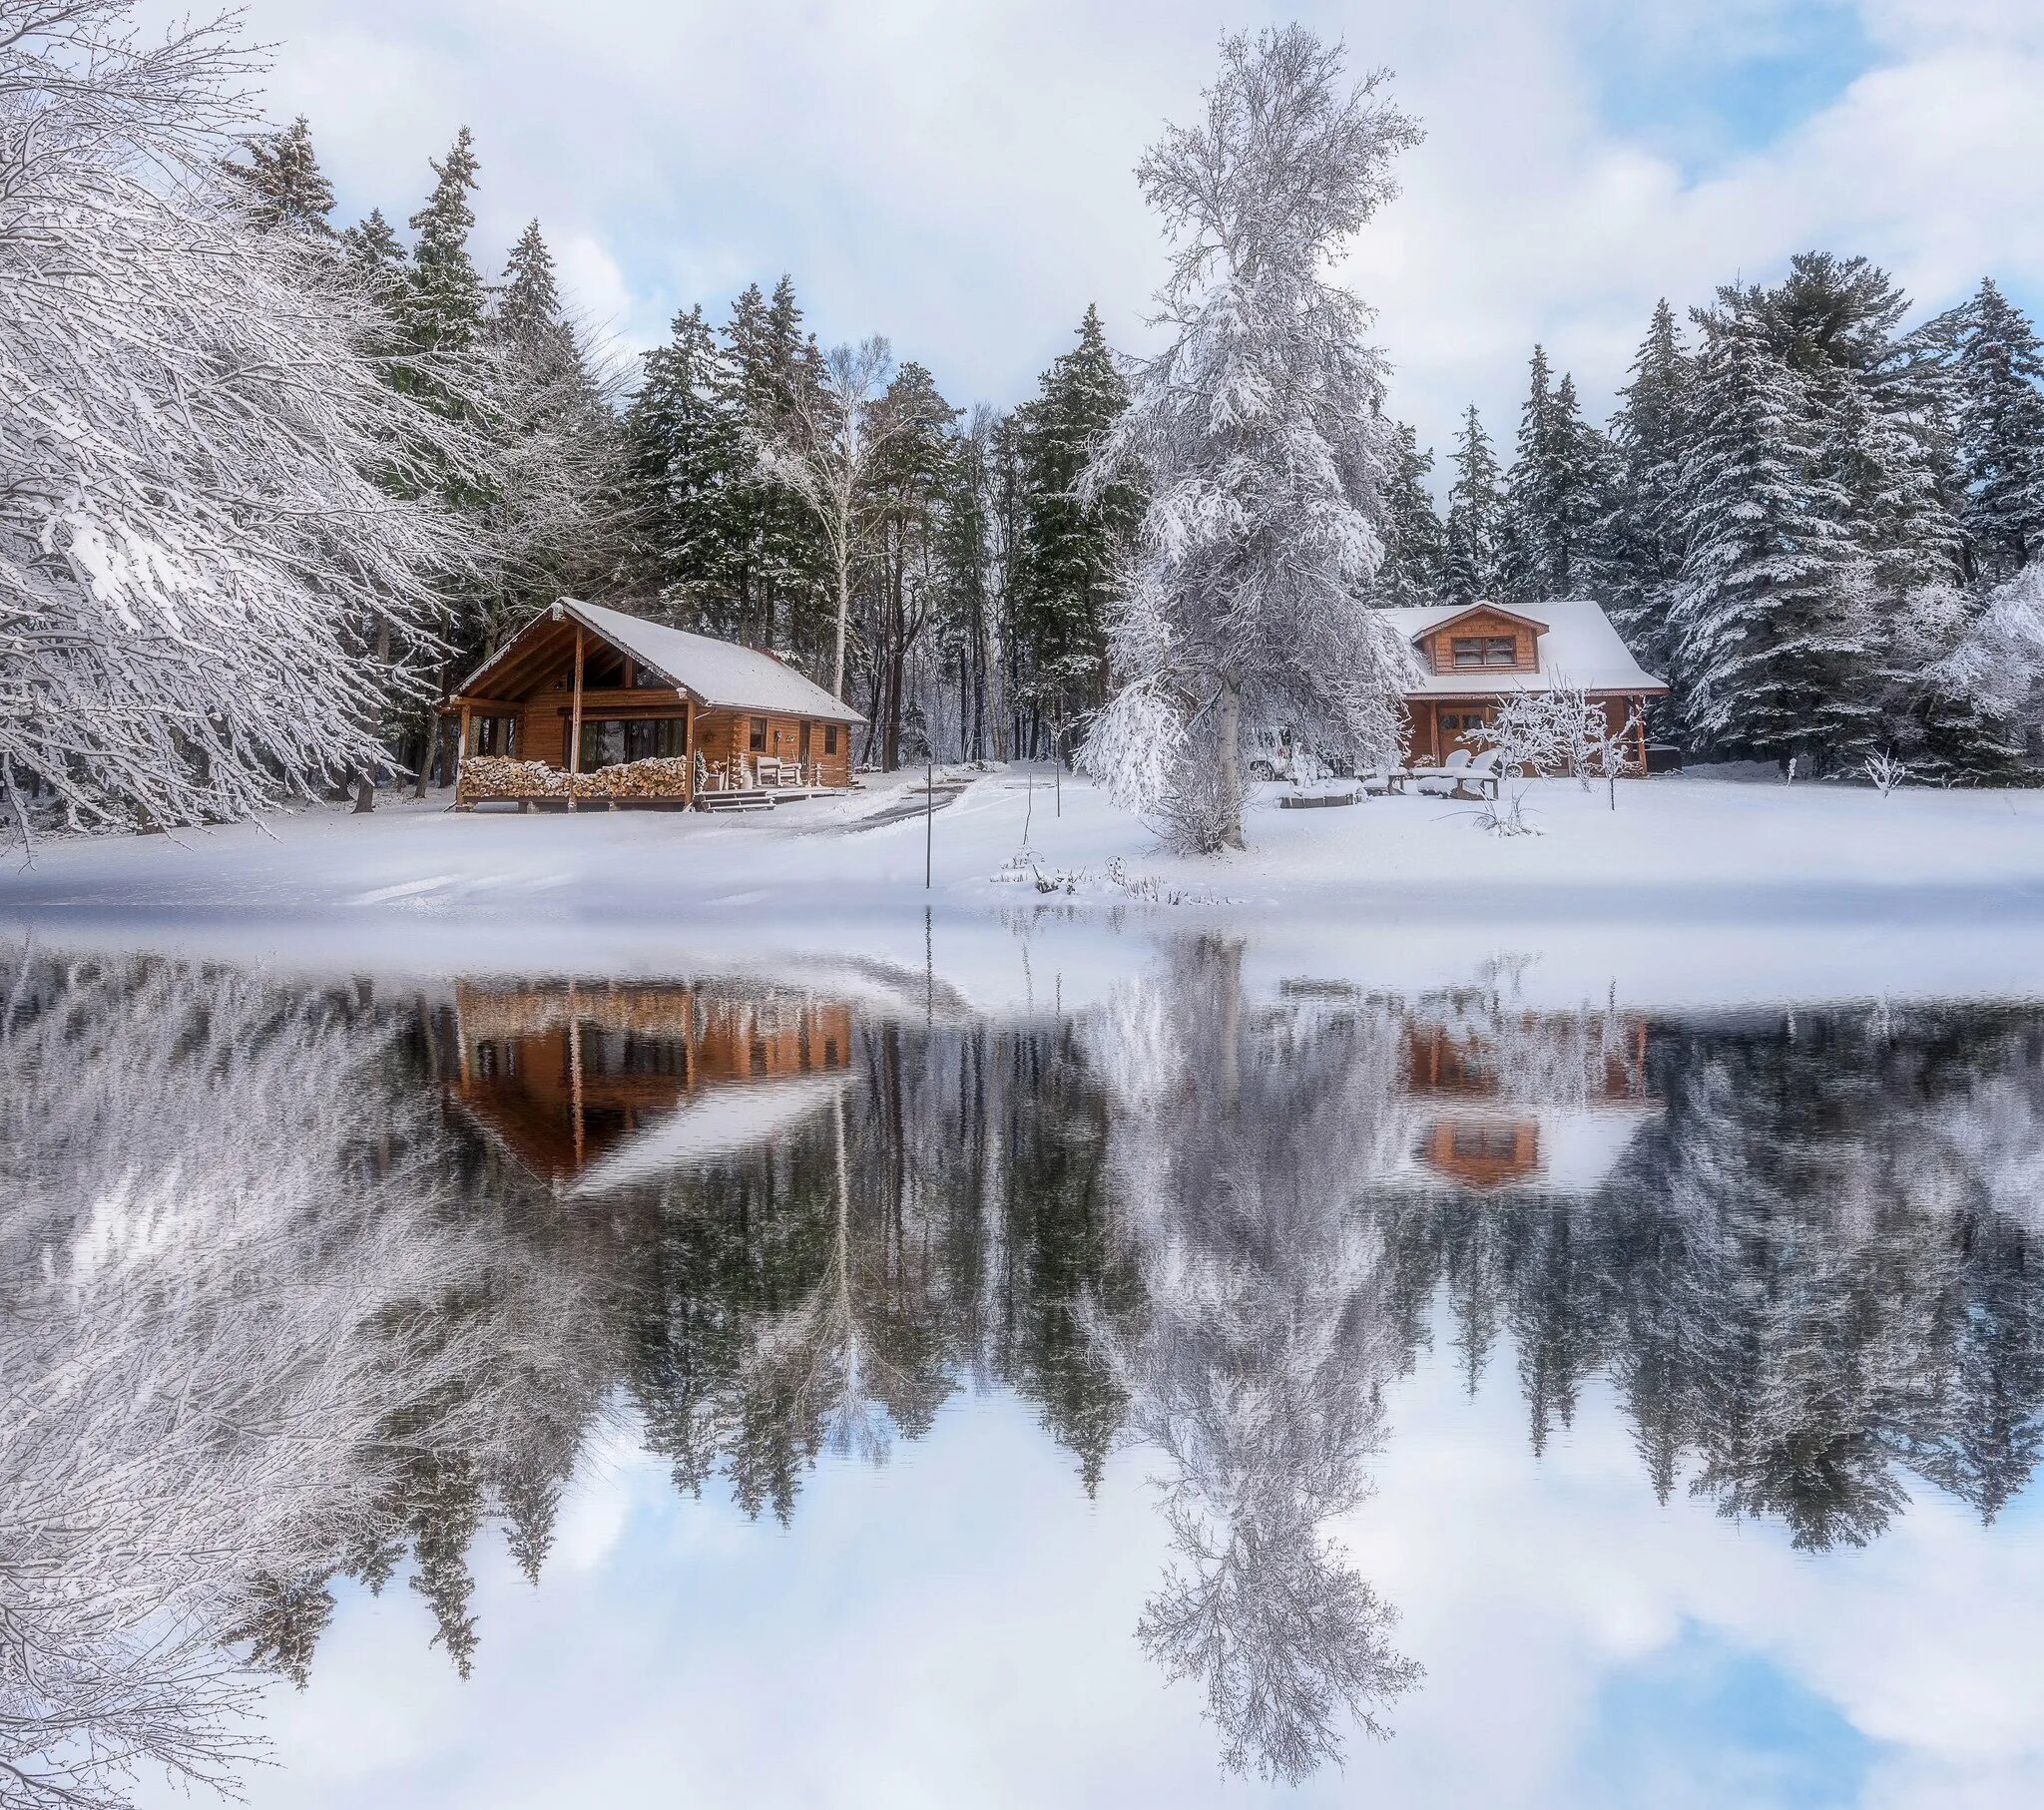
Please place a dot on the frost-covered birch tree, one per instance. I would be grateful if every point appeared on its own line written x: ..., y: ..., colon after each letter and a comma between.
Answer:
x: 198, y: 514
x: 834, y: 434
x: 1261, y: 436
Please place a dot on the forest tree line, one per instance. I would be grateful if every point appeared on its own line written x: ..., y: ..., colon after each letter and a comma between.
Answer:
x: 281, y: 483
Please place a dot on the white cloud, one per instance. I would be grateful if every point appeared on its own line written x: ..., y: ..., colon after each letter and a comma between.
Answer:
x: 959, y: 176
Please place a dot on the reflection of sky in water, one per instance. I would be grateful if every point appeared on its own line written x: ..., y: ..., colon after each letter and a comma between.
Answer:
x: 1404, y: 1299
x: 956, y: 1628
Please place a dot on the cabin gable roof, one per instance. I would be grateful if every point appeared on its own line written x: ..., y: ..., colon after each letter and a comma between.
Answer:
x: 720, y: 674
x: 1472, y: 613
x: 1575, y: 645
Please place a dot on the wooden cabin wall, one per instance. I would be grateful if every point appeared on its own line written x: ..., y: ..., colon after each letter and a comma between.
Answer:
x: 1427, y: 746
x: 544, y: 717
x: 724, y: 735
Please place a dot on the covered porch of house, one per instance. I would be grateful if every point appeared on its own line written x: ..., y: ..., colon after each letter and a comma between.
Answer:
x: 1437, y: 726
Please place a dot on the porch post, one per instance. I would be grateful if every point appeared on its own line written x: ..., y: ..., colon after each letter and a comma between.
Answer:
x: 689, y: 743
x: 460, y: 753
x: 1639, y: 710
x: 575, y: 722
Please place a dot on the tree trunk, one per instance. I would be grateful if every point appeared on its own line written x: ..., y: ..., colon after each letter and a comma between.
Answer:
x: 429, y: 757
x: 844, y: 615
x: 365, y: 791
x: 1229, y: 758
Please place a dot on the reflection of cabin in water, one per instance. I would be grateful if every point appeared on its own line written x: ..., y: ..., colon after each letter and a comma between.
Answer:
x: 574, y: 1078
x: 1477, y: 1135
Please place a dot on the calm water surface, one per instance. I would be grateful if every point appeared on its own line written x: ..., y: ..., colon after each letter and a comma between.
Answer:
x: 539, y: 1392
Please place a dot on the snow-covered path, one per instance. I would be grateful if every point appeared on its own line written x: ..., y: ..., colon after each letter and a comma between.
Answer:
x: 1691, y: 880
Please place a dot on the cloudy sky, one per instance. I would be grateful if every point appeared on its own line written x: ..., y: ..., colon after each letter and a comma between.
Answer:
x: 956, y: 173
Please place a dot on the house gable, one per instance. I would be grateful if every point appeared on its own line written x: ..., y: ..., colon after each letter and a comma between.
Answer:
x: 1475, y: 641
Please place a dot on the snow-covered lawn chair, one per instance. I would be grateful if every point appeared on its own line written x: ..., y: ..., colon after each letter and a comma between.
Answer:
x: 1482, y: 775
x: 1381, y: 781
x: 1440, y: 782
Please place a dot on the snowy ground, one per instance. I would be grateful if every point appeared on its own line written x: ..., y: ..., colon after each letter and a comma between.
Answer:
x: 1693, y: 890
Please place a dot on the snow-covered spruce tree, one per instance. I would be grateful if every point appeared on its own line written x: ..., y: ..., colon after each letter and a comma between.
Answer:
x: 1774, y: 651
x: 1415, y: 554
x: 283, y: 182
x: 1475, y: 515
x: 1643, y: 531
x: 1558, y: 497
x: 783, y: 576
x: 1999, y: 377
x: 1070, y: 549
x: 556, y: 507
x: 1260, y: 437
x: 192, y: 530
x: 686, y: 456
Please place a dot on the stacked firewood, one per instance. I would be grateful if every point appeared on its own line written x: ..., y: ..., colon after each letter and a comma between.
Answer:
x: 659, y: 778
x: 492, y: 776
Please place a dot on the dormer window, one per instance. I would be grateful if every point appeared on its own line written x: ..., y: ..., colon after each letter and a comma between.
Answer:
x: 1477, y: 651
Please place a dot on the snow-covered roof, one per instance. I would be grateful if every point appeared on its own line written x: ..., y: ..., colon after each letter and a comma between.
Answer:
x: 1578, y: 644
x: 722, y: 673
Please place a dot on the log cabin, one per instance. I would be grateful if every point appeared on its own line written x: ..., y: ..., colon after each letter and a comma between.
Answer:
x: 590, y: 707
x: 1471, y: 656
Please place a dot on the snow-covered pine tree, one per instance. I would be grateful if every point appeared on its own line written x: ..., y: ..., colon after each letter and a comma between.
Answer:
x: 1475, y: 525
x: 685, y: 449
x: 1999, y: 371
x: 1558, y: 496
x: 283, y: 182
x: 377, y: 255
x: 777, y: 558
x: 1643, y: 531
x: 1416, y: 553
x: 557, y: 509
x: 1070, y: 550
x: 444, y: 309
x: 1260, y: 437
x: 192, y: 531
x: 1768, y: 640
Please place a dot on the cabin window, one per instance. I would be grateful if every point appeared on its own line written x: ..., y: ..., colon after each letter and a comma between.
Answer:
x: 610, y: 741
x: 1457, y: 725
x: 603, y: 669
x: 645, y: 678
x: 493, y: 735
x: 1485, y: 651
x: 758, y: 739
x: 830, y: 738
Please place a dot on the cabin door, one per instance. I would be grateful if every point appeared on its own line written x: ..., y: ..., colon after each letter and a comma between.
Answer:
x: 807, y: 777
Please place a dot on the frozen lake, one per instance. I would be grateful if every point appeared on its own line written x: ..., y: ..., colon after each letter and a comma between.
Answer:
x: 1246, y: 1385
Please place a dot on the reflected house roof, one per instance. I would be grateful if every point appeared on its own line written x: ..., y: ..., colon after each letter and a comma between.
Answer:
x: 633, y: 1079
x: 1479, y: 1134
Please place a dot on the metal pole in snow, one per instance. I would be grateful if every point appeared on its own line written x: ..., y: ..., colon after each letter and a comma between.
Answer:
x: 929, y: 816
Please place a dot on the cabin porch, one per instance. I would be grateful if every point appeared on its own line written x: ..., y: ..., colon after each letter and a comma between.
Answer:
x: 564, y: 718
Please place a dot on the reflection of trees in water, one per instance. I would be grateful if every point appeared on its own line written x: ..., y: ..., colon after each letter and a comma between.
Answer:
x: 1817, y: 1270
x: 1257, y: 1370
x: 226, y: 1258
x: 938, y: 1231
x: 270, y: 1320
